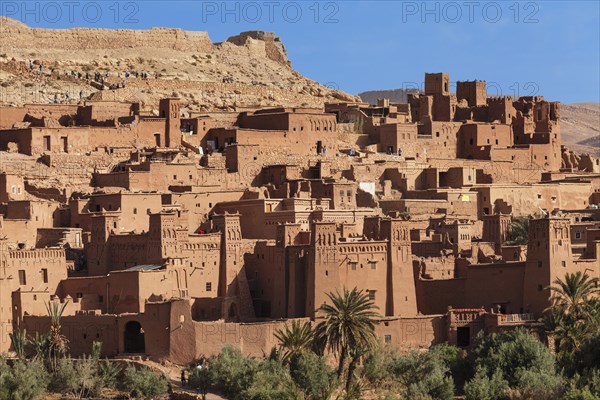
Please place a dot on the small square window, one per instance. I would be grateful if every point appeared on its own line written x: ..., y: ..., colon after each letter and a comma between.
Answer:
x: 387, y: 338
x: 209, y: 286
x: 372, y: 294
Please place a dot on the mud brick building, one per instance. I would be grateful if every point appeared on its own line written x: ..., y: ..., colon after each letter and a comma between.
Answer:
x: 174, y: 235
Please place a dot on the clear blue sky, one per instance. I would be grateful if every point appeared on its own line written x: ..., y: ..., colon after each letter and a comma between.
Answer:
x: 551, y: 48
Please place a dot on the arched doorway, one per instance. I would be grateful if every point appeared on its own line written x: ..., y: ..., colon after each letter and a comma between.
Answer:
x: 134, y: 338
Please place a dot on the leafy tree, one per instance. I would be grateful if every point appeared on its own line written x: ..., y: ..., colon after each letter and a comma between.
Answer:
x: 585, y: 364
x: 231, y: 372
x: 272, y: 381
x: 144, y: 384
x: 540, y: 384
x: 294, y: 340
x: 423, y: 375
x: 201, y: 380
x: 580, y: 394
x: 482, y: 387
x: 512, y: 353
x: 313, y: 376
x: 376, y: 367
x: 347, y: 323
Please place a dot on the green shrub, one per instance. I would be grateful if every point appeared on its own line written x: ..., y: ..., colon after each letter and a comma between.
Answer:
x: 511, y: 352
x: 423, y: 375
x: 272, y: 381
x: 580, y: 394
x: 26, y: 380
x: 200, y: 379
x: 109, y: 372
x: 143, y: 383
x: 481, y: 387
x: 5, y: 373
x: 436, y: 385
x: 541, y: 385
x: 231, y: 372
x: 313, y: 376
x: 81, y: 377
x: 377, y: 369
x: 64, y: 378
x: 89, y: 380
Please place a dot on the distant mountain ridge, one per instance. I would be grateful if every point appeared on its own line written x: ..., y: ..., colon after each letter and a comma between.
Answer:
x: 394, y: 95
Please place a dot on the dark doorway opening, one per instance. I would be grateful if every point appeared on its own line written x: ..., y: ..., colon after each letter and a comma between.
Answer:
x: 157, y: 139
x: 463, y: 336
x: 232, y: 311
x: 134, y: 338
x: 319, y: 147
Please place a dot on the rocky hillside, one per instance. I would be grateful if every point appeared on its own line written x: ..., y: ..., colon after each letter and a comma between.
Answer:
x: 248, y: 70
x: 580, y: 127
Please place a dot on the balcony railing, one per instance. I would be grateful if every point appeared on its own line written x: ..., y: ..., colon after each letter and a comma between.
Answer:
x: 511, y: 318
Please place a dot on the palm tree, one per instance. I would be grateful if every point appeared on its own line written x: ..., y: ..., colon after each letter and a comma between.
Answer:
x: 19, y: 341
x: 572, y: 296
x: 574, y: 313
x: 356, y: 354
x: 294, y: 340
x: 40, y: 346
x: 57, y: 342
x: 518, y: 231
x: 347, y: 323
